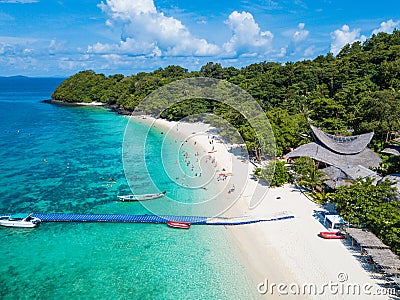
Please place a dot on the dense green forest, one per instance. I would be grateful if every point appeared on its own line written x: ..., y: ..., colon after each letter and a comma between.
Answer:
x: 355, y: 92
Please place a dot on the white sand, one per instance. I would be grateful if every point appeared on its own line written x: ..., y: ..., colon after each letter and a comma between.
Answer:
x: 296, y: 249
x: 93, y: 103
x: 288, y: 251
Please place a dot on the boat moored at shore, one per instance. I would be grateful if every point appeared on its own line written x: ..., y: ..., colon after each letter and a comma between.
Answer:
x: 332, y: 235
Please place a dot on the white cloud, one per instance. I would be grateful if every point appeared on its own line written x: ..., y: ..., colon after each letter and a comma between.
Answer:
x: 282, y: 52
x: 66, y: 63
x: 27, y: 51
x: 18, y: 1
x: 17, y: 45
x: 126, y: 10
x: 55, y: 47
x: 145, y: 31
x: 301, y: 34
x: 297, y: 39
x: 310, y: 51
x: 387, y: 26
x: 5, y: 17
x: 343, y: 36
x: 113, y: 60
x: 247, y: 36
x: 4, y: 48
x: 128, y: 46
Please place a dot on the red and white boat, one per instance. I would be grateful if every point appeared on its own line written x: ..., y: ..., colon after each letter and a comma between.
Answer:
x: 176, y: 224
x: 332, y: 235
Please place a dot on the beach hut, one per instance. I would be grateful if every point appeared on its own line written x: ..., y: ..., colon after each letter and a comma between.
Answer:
x: 385, y: 259
x: 348, y: 156
x: 392, y: 150
x: 395, y: 179
x: 365, y: 239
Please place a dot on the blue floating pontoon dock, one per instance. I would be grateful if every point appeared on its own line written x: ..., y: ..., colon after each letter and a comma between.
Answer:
x: 152, y: 219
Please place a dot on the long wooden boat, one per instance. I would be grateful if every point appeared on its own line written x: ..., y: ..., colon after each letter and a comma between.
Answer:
x: 141, y: 197
x: 176, y: 224
x: 331, y: 235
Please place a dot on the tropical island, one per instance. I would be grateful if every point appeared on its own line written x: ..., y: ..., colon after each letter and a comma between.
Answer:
x: 352, y: 94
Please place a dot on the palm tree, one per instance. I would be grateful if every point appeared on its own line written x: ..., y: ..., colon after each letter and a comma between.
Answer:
x: 322, y: 197
x: 310, y: 175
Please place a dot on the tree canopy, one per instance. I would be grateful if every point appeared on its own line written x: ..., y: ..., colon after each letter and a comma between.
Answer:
x: 275, y: 173
x: 358, y: 90
x: 371, y: 206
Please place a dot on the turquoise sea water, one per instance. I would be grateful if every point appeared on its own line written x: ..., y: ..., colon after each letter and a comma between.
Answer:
x: 69, y: 160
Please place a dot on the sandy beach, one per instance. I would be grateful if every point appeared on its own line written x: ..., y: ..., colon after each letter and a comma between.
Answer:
x: 287, y: 253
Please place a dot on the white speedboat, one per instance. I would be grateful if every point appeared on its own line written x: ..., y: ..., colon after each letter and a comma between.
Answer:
x: 141, y: 197
x: 20, y: 220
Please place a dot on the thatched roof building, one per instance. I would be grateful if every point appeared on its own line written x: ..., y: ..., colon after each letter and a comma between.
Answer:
x: 392, y: 150
x: 348, y: 156
x: 385, y: 258
x: 343, y: 144
x: 316, y: 151
x: 366, y: 239
x: 395, y: 178
x: 380, y: 254
x: 336, y: 177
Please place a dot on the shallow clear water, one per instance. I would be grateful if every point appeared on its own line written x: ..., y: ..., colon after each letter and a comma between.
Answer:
x: 69, y: 160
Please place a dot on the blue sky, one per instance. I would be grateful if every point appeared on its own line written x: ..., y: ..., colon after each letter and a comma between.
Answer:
x: 60, y: 38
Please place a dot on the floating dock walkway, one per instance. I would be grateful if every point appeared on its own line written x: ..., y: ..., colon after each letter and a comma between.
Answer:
x: 154, y: 219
